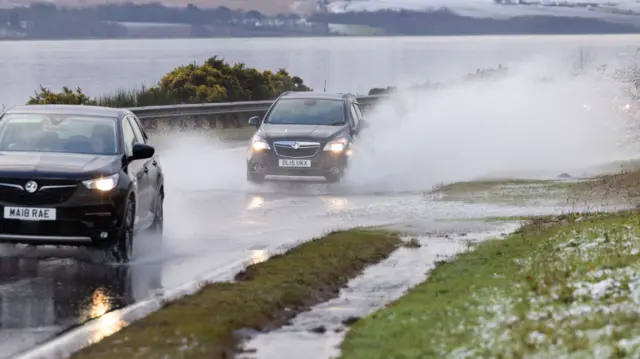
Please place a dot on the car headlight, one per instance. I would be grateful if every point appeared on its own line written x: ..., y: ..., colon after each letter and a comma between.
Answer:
x: 337, y: 145
x: 103, y: 183
x: 258, y: 144
x: 626, y: 107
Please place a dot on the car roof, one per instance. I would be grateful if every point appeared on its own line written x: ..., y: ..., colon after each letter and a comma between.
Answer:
x: 80, y: 110
x: 314, y: 95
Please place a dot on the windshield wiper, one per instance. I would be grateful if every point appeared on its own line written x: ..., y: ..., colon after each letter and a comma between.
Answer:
x: 336, y: 123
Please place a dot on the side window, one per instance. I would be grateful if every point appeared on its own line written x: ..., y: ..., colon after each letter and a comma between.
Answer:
x: 136, y: 121
x: 136, y: 130
x: 129, y: 137
x: 359, y: 111
x: 354, y: 116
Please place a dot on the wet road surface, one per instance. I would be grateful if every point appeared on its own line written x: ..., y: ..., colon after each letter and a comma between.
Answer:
x: 45, y: 291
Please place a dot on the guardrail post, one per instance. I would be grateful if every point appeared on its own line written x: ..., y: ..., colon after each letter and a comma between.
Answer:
x: 219, y: 120
x: 162, y: 125
x: 231, y: 120
x: 188, y: 123
x: 237, y: 119
x: 201, y: 123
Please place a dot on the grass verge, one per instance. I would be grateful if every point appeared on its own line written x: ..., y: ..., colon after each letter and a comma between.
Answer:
x: 621, y: 185
x: 565, y: 286
x: 507, y: 191
x: 264, y: 296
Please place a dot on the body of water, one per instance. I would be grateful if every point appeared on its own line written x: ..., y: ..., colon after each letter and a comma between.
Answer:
x: 346, y: 64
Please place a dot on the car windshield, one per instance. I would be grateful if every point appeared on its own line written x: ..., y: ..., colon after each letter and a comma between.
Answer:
x: 58, y: 133
x: 307, y: 111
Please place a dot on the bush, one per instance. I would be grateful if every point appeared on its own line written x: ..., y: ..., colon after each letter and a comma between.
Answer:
x: 216, y: 80
x: 213, y: 81
x: 66, y: 97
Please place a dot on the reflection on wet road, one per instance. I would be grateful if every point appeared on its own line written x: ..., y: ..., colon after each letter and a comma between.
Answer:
x: 44, y: 292
x: 40, y: 297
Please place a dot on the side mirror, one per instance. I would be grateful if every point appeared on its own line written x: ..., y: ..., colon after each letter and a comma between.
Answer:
x: 255, y: 121
x: 142, y: 151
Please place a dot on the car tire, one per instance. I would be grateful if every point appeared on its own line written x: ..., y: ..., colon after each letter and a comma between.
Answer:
x: 255, y: 178
x: 121, y: 249
x: 156, y: 227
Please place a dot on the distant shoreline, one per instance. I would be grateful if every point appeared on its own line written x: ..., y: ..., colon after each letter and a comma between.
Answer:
x: 317, y: 36
x: 47, y: 22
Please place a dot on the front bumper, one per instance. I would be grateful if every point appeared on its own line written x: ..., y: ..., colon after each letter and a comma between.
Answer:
x: 88, y: 218
x: 323, y: 163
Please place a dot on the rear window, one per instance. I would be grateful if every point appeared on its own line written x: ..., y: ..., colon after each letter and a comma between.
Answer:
x: 58, y: 133
x: 305, y: 111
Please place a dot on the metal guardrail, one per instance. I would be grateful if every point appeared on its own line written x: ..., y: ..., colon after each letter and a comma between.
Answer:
x: 220, y: 108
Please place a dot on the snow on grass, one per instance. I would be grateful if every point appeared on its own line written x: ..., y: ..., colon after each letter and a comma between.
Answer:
x: 580, y: 298
x: 560, y: 287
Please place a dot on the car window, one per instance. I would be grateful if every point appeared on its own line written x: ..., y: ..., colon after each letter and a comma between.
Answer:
x: 136, y: 121
x: 307, y: 111
x: 354, y: 116
x: 136, y: 130
x: 58, y: 133
x: 359, y: 111
x: 129, y: 137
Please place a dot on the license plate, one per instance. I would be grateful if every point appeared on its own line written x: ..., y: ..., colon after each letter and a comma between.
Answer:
x: 295, y: 163
x: 30, y: 214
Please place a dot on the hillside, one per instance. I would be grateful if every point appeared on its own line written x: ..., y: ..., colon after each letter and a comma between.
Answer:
x: 267, y: 7
x: 616, y: 11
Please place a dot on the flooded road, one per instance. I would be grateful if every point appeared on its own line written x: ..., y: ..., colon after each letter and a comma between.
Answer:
x: 209, y: 224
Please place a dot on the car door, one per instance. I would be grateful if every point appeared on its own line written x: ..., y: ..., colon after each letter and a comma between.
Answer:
x: 152, y: 164
x: 139, y: 177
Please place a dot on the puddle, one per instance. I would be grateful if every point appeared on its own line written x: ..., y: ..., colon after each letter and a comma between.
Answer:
x: 319, y: 332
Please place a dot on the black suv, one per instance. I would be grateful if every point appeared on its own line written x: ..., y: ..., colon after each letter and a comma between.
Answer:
x: 304, y: 134
x: 79, y: 176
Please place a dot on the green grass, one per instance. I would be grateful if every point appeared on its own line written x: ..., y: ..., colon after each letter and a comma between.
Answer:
x: 264, y: 296
x: 484, y: 185
x: 559, y: 287
x: 506, y: 191
x: 489, y: 219
x: 617, y: 188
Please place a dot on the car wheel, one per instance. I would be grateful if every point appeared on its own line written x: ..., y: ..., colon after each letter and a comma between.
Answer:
x: 255, y: 178
x: 158, y: 217
x: 122, y: 248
